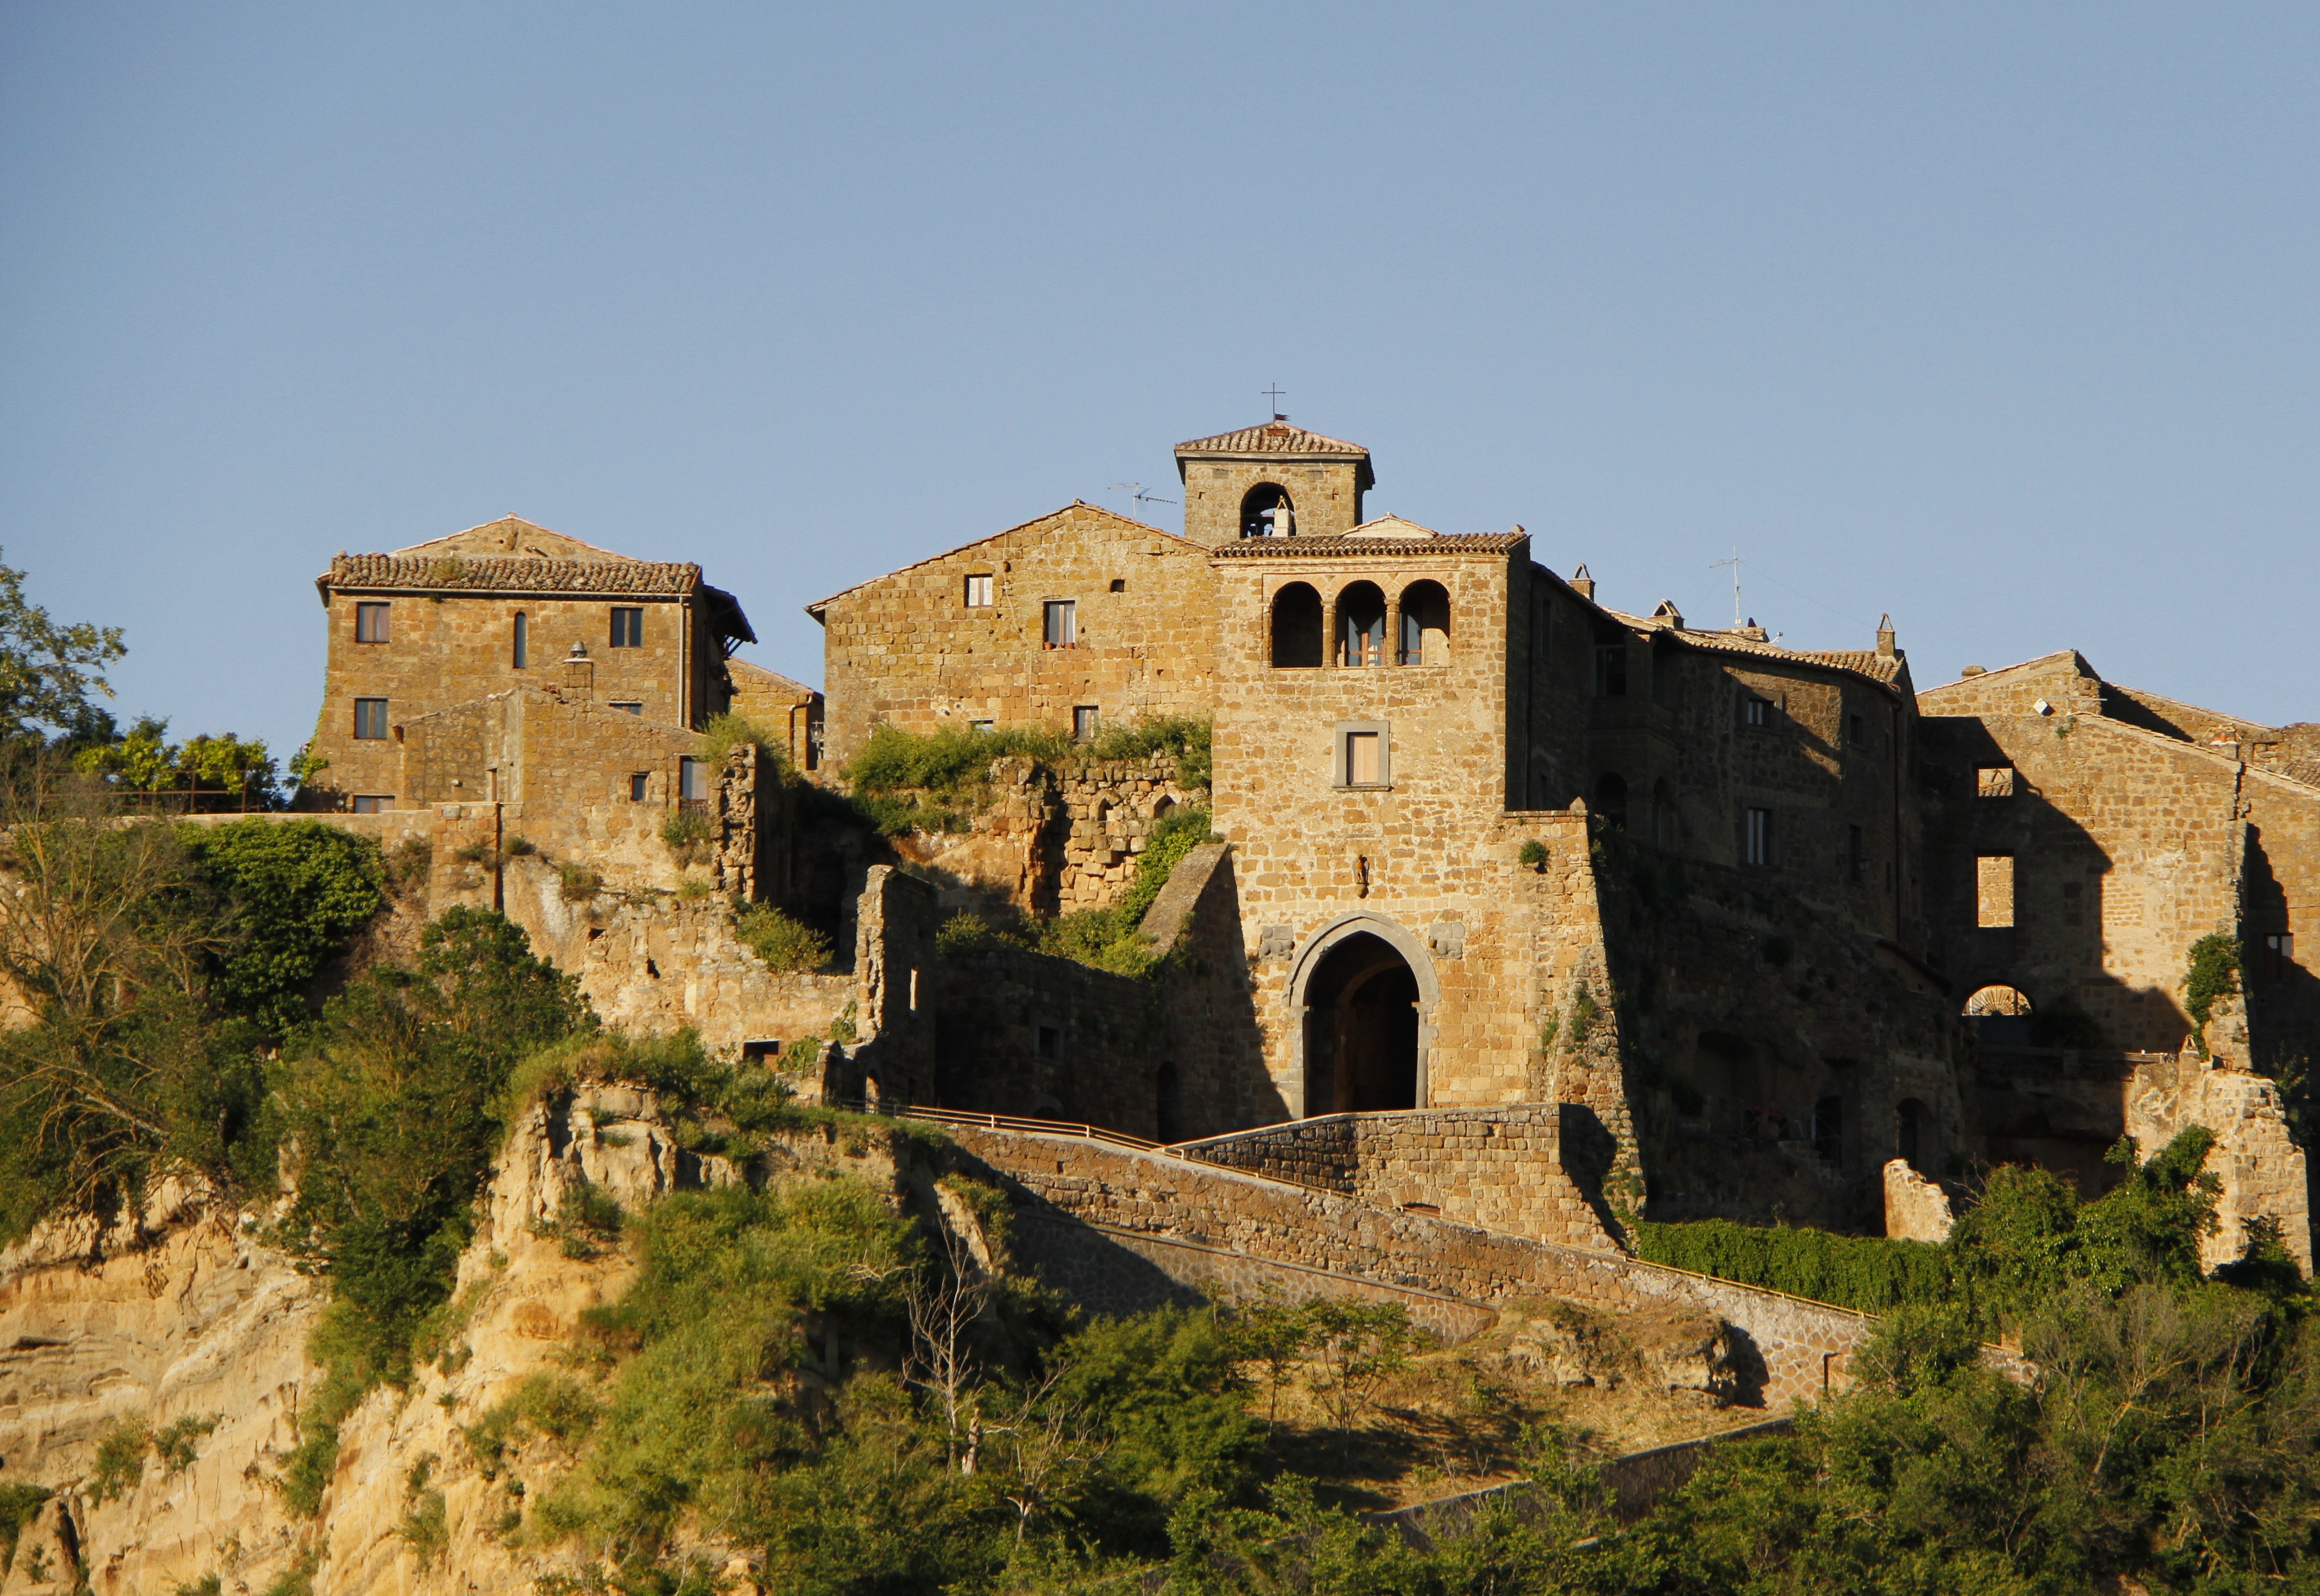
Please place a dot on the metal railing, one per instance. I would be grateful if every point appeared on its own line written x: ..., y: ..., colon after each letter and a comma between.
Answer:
x: 1083, y: 1131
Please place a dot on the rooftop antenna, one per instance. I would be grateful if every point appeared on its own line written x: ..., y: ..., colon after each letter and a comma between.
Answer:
x: 1136, y: 491
x: 1276, y: 393
x: 1734, y: 563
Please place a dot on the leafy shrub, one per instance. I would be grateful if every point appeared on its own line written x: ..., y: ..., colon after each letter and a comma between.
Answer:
x: 2214, y: 973
x: 1111, y: 939
x: 724, y: 733
x: 425, y: 1527
x: 409, y: 862
x: 550, y: 1405
x: 18, y: 1506
x: 779, y: 941
x: 1533, y: 854
x: 687, y: 833
x: 120, y: 1459
x: 295, y: 893
x: 1186, y: 736
x: 173, y: 1443
x: 1871, y: 1273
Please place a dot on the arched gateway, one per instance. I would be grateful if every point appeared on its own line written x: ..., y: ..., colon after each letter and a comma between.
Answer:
x: 1364, y: 991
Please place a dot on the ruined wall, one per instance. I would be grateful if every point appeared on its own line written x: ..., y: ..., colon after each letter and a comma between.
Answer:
x: 1033, y: 1034
x: 1212, y: 1076
x: 2126, y: 848
x: 908, y: 648
x: 1229, y: 1235
x: 2263, y: 1172
x: 1500, y: 1169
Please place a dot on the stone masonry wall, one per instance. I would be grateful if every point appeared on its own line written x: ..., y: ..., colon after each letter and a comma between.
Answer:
x: 1238, y: 1234
x: 907, y: 649
x: 1499, y: 1168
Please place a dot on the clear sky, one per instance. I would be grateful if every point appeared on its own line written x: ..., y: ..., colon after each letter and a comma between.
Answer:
x: 2000, y: 318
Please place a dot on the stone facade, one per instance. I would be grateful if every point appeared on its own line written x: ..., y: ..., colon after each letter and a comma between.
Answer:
x: 964, y: 637
x: 491, y: 609
x: 1323, y: 478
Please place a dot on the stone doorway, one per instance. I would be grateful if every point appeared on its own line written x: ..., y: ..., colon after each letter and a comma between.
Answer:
x: 1361, y: 1039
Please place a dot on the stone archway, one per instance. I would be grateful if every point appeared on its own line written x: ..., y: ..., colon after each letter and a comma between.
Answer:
x: 1363, y: 993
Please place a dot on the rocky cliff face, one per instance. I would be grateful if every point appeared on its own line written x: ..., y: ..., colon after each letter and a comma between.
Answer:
x: 181, y: 1312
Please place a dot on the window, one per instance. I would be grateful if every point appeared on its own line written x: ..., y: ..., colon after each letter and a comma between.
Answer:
x: 374, y: 803
x: 1756, y: 711
x: 1296, y: 628
x: 640, y: 785
x: 1993, y: 890
x: 1051, y: 1043
x: 1265, y: 513
x: 370, y: 622
x: 1611, y: 669
x: 1084, y: 718
x: 628, y: 627
x: 523, y: 651
x: 370, y: 717
x: 1994, y: 781
x: 1856, y: 731
x: 692, y: 781
x: 1829, y: 1130
x: 978, y: 590
x: 1119, y: 585
x: 1362, y: 757
x: 764, y: 1050
x: 1856, y: 848
x: 1361, y: 625
x: 1063, y: 624
x: 1756, y: 837
x: 628, y: 706
x: 1425, y: 637
x: 2279, y: 954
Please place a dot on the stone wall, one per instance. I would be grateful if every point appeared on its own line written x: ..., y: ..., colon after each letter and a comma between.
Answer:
x: 2263, y: 1171
x: 1197, y: 1226
x: 1500, y: 1169
x: 1916, y: 1209
x: 909, y: 650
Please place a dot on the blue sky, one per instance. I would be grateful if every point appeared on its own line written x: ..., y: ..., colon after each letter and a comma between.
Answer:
x: 2000, y: 318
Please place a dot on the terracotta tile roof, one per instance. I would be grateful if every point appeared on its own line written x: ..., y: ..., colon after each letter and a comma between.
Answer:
x: 1884, y: 669
x: 513, y: 573
x: 1343, y: 548
x: 1272, y: 437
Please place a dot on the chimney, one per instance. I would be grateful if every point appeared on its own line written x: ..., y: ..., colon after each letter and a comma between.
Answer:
x: 1584, y: 584
x: 1885, y: 637
x: 580, y: 675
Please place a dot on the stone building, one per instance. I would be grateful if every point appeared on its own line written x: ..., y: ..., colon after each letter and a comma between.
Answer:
x: 487, y: 609
x: 1712, y: 925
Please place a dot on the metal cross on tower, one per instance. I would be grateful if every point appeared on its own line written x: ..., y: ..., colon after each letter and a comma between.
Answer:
x: 1274, y: 393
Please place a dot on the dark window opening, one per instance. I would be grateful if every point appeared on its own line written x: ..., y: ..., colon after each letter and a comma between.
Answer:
x: 1265, y: 513
x: 1994, y: 781
x: 764, y: 1050
x: 1296, y: 628
x: 1829, y: 1130
x: 1611, y: 669
x: 1856, y: 848
x: 1361, y: 625
x: 628, y: 627
x: 1061, y: 624
x: 370, y: 622
x: 370, y: 717
x: 1119, y: 585
x: 2279, y: 954
x: 627, y: 705
x: 1085, y: 718
x: 1856, y: 731
x: 520, y: 653
x: 1167, y: 1104
x: 1756, y: 838
x: 1662, y: 815
x: 1755, y: 710
x: 640, y: 785
x: 1051, y: 1043
x: 373, y: 803
x: 1908, y: 1132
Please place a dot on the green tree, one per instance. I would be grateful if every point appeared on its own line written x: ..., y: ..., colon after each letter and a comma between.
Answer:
x: 49, y: 672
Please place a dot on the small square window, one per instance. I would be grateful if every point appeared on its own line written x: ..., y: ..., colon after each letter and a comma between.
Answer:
x: 1994, y: 781
x: 978, y: 591
x: 692, y: 781
x: 1061, y: 623
x: 627, y: 705
x: 2279, y: 954
x: 1365, y: 765
x: 628, y: 627
x: 764, y: 1050
x: 1757, y: 841
x: 370, y: 622
x: 1119, y: 585
x: 1085, y: 717
x: 639, y: 786
x: 1993, y: 891
x: 1051, y: 1043
x: 370, y: 717
x: 1756, y: 711
x: 374, y: 803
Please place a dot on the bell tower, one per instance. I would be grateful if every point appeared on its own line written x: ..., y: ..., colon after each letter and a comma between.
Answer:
x: 1273, y: 480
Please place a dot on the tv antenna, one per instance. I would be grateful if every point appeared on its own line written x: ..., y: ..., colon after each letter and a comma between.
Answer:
x: 1136, y: 491
x: 1276, y: 393
x: 1734, y: 563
